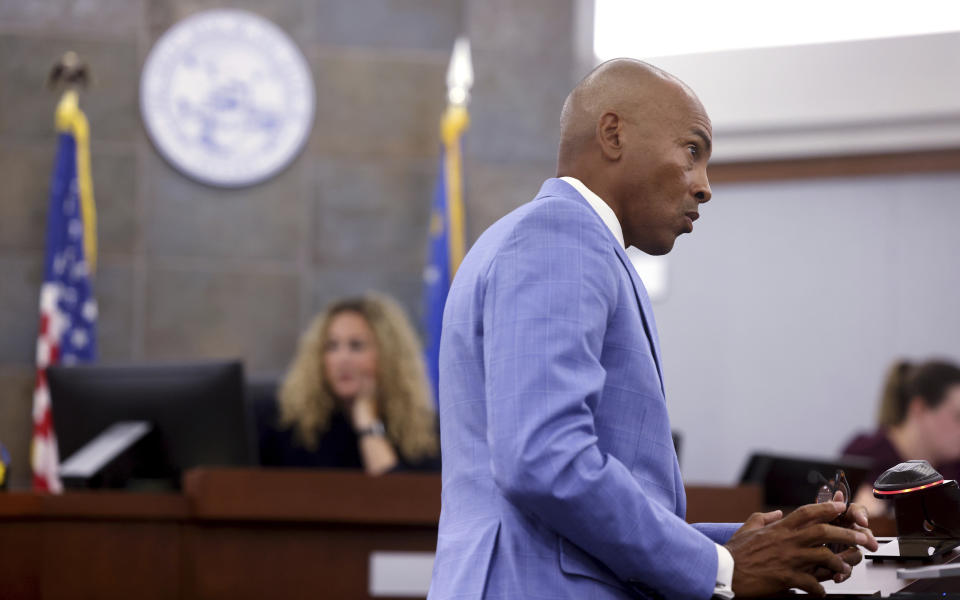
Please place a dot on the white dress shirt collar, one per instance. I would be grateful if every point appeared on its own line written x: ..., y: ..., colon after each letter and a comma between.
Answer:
x: 603, y: 209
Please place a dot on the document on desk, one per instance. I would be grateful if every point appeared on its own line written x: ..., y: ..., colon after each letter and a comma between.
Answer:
x: 89, y: 459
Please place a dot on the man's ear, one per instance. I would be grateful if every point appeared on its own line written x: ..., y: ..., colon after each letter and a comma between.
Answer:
x: 609, y: 135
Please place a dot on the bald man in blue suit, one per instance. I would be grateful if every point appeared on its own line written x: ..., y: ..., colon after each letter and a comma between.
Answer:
x: 560, y: 479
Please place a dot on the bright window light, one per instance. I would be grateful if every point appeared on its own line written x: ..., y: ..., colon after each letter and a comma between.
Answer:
x: 646, y: 29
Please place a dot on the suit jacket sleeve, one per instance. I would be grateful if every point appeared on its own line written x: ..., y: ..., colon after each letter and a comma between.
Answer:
x: 720, y: 533
x: 549, y: 293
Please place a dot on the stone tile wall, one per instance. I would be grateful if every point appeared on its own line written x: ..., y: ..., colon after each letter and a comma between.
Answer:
x: 190, y: 271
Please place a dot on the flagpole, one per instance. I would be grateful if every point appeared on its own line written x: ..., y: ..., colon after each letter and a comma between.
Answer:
x: 455, y: 121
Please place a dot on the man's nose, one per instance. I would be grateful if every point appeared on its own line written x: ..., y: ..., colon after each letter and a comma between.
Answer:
x: 701, y: 189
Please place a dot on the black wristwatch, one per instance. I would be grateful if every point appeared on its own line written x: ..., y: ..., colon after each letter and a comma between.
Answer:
x: 376, y: 428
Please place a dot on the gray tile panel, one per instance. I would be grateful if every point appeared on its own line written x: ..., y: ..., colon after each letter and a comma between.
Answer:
x: 293, y: 16
x: 27, y: 106
x: 374, y: 104
x: 16, y: 422
x: 114, y: 290
x: 90, y: 18
x: 19, y: 308
x: 523, y: 56
x: 372, y: 213
x: 387, y: 24
x: 196, y: 313
x: 25, y: 169
x: 186, y: 218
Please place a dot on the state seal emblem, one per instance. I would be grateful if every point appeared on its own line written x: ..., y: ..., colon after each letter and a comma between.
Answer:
x: 227, y: 97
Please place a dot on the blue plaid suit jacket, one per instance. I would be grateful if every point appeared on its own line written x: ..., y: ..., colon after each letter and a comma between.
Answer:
x: 560, y: 479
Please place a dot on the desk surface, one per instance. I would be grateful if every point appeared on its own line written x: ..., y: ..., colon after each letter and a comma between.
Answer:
x: 871, y: 577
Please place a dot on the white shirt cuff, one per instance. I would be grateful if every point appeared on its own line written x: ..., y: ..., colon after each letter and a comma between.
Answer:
x: 724, y: 587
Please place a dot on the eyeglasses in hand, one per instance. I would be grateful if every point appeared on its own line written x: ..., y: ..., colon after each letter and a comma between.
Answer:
x: 829, y: 488
x: 828, y: 491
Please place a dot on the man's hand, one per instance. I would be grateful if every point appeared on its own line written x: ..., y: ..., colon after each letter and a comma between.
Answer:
x: 772, y: 554
x: 854, y: 518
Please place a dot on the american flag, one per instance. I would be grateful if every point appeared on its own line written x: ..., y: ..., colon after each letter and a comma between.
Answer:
x: 68, y: 309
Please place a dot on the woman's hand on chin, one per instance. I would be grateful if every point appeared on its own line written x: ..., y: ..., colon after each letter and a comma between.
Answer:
x: 363, y: 407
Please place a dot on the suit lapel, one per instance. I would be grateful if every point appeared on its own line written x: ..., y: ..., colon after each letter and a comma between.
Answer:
x: 646, y: 310
x: 562, y: 188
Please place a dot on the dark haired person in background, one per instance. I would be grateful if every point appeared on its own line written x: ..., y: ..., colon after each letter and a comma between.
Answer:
x: 356, y: 394
x: 919, y: 418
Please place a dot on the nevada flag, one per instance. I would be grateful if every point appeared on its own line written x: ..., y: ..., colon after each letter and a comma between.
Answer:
x: 446, y: 236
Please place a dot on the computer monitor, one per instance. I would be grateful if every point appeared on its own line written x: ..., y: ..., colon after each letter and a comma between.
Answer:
x: 790, y: 481
x: 197, y: 409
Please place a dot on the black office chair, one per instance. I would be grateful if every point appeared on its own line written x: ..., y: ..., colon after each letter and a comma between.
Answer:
x: 261, y: 399
x: 791, y: 481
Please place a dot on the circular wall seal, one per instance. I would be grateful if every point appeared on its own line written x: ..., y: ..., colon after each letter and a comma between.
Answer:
x: 227, y: 97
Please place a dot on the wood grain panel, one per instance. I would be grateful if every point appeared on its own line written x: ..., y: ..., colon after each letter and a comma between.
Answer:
x: 718, y: 504
x: 932, y: 161
x: 312, y: 495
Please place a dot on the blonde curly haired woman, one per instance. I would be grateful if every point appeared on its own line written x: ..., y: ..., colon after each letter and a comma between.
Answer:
x: 356, y: 394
